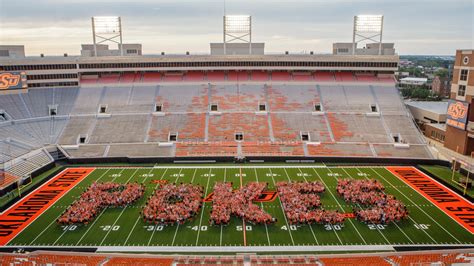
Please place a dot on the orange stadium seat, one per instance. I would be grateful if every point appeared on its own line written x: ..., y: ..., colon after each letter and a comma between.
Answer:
x: 130, y: 77
x: 419, y: 259
x: 281, y: 76
x: 151, y: 77
x: 367, y: 261
x: 303, y: 76
x: 366, y: 77
x: 109, y: 78
x: 237, y: 76
x: 344, y: 76
x: 139, y: 261
x: 194, y: 76
x: 324, y: 76
x: 173, y: 77
x: 216, y: 76
x: 206, y: 149
x: 7, y: 179
x: 259, y: 75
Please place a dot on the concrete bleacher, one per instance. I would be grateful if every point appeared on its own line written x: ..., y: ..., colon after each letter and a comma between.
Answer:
x: 292, y: 98
x: 224, y: 127
x: 87, y: 151
x: 14, y: 105
x: 9, y: 150
x: 140, y: 150
x: 289, y: 126
x: 77, y: 126
x: 388, y: 100
x: 120, y: 129
x: 358, y: 128
x: 405, y: 126
x: 183, y: 98
x: 87, y: 101
x: 189, y: 127
x: 345, y: 124
x: 347, y: 98
x: 28, y: 163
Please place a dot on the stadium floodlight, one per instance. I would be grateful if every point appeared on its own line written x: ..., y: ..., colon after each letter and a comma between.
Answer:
x: 367, y: 27
x: 107, y: 29
x: 238, y: 28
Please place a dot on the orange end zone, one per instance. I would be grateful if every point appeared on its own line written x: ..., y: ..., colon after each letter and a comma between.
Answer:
x: 448, y: 201
x: 24, y: 212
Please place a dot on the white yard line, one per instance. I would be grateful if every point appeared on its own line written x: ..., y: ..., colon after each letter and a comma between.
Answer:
x: 177, y: 227
x: 282, y: 209
x: 138, y: 218
x: 400, y: 229
x: 154, y: 230
x: 261, y: 205
x: 54, y: 221
x: 225, y: 178
x: 340, y: 206
x: 309, y: 225
x: 429, y: 216
x: 97, y: 218
x: 376, y: 228
x: 203, y: 205
x: 123, y: 209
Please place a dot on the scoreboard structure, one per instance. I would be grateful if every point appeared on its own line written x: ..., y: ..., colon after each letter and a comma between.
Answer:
x: 13, y: 81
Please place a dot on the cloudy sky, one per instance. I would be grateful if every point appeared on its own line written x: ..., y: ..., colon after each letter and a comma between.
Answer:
x: 54, y: 27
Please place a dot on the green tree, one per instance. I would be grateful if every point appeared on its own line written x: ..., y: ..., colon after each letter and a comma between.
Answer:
x: 442, y: 73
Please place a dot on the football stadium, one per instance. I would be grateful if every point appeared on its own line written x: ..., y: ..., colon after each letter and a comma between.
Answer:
x: 236, y: 157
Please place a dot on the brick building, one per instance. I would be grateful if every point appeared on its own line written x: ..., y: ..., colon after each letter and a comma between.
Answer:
x: 460, y: 119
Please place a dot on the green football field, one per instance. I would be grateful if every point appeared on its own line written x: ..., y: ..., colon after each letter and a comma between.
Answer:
x: 427, y: 225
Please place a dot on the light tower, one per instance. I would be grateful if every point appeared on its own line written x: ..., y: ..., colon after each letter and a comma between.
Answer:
x: 367, y: 27
x: 107, y: 29
x: 238, y: 28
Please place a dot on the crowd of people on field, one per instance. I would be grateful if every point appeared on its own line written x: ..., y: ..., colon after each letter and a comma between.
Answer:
x: 97, y: 197
x: 227, y: 202
x: 171, y: 204
x: 375, y: 207
x: 302, y: 203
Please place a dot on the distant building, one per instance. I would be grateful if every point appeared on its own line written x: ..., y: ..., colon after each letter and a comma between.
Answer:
x: 412, y: 81
x: 402, y: 74
x: 441, y: 86
x: 12, y: 51
x: 460, y: 118
x: 428, y: 112
x: 370, y: 49
x: 435, y: 131
x: 129, y: 49
x: 430, y: 117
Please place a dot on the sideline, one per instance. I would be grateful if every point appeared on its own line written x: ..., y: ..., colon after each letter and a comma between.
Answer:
x: 23, y: 213
x: 455, y: 206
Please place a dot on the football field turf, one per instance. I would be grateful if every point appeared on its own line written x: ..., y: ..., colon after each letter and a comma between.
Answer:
x: 426, y: 225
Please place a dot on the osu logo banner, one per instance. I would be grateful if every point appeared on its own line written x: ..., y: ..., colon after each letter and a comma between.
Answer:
x: 457, y: 114
x: 12, y: 80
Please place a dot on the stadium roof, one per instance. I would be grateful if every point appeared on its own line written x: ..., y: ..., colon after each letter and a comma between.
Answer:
x: 200, y: 58
x: 434, y: 107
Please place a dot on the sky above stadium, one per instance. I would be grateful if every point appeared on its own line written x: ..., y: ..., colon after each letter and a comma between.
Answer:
x: 53, y: 27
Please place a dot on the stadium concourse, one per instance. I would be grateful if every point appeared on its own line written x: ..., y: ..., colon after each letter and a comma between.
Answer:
x: 204, y: 115
x: 445, y: 257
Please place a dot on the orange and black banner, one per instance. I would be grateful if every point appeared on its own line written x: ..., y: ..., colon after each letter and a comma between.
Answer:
x: 24, y: 212
x: 457, y: 114
x: 12, y: 80
x: 458, y: 208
